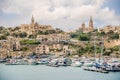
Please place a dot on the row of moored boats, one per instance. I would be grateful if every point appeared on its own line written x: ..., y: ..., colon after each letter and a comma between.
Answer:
x: 86, y: 64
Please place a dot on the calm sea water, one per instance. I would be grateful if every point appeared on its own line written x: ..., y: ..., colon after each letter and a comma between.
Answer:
x: 41, y: 72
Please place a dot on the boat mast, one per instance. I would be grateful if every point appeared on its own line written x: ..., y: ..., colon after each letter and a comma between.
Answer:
x: 101, y: 55
x: 0, y: 52
x: 119, y: 46
x: 95, y: 49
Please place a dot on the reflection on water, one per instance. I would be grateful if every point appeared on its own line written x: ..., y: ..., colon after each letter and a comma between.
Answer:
x: 41, y: 72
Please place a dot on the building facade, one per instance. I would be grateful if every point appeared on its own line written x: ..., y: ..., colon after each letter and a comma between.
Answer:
x: 42, y: 49
x: 54, y: 37
x: 16, y: 46
x: 34, y: 27
x: 89, y: 28
x: 108, y: 28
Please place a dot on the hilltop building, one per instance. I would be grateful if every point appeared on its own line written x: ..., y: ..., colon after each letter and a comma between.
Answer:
x: 34, y: 27
x: 88, y: 29
x: 108, y: 28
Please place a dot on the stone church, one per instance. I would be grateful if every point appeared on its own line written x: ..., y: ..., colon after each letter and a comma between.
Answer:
x: 34, y: 27
x: 89, y: 28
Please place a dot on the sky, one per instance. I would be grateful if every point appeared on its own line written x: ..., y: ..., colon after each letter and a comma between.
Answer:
x: 64, y: 14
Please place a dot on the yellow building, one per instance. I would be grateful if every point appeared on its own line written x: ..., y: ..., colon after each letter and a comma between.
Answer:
x: 88, y: 29
x: 54, y: 37
x: 42, y: 49
x: 34, y: 27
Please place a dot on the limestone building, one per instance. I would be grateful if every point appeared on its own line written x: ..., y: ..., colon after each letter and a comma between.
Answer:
x: 89, y: 28
x: 54, y: 37
x: 34, y: 27
x: 108, y: 28
x: 42, y: 49
x: 16, y: 46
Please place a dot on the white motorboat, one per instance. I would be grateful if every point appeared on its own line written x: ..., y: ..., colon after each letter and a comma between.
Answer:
x: 64, y: 62
x: 88, y: 63
x: 76, y: 64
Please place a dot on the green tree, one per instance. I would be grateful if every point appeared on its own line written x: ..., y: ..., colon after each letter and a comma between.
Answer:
x: 23, y: 34
x: 1, y: 28
x: 50, y: 31
x: 6, y: 33
x: 110, y: 32
x: 32, y: 36
x: 84, y: 37
x: 114, y: 36
x: 29, y: 42
x: 25, y: 48
x: 2, y: 37
x: 106, y: 53
x: 102, y: 33
x: 40, y: 32
x: 15, y: 34
x: 73, y: 35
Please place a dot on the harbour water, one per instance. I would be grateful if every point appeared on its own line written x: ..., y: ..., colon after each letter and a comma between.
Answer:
x: 42, y: 72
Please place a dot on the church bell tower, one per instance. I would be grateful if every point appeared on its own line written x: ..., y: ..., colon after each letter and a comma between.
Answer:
x: 91, y: 23
x: 32, y: 20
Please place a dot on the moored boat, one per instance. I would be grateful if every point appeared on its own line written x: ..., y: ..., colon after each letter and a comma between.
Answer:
x: 76, y: 64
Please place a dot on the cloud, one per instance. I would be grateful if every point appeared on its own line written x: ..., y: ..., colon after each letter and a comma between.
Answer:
x: 66, y: 14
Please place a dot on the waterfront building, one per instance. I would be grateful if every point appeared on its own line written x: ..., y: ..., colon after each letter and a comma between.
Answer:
x: 57, y: 46
x: 52, y: 49
x: 42, y: 49
x: 66, y: 49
